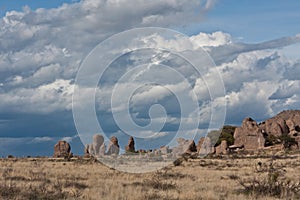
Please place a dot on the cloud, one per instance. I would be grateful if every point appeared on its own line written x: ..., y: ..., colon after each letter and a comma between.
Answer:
x: 69, y: 139
x: 47, y: 98
x: 41, y: 139
x: 286, y: 89
x: 229, y: 52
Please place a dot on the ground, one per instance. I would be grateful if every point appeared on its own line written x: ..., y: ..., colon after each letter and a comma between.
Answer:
x: 226, y: 177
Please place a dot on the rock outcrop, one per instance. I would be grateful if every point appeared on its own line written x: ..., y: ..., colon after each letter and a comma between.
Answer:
x: 249, y: 135
x: 192, y: 147
x: 98, y: 140
x: 130, y: 146
x: 222, y: 148
x: 86, y: 151
x: 94, y: 148
x: 284, y: 125
x: 62, y: 149
x: 102, y: 149
x: 274, y: 126
x: 205, y: 146
x: 184, y: 147
x: 165, y: 150
x: 113, y: 147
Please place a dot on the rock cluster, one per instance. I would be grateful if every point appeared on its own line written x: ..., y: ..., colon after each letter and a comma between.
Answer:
x: 94, y: 148
x: 62, y: 149
x: 252, y: 136
x: 98, y: 147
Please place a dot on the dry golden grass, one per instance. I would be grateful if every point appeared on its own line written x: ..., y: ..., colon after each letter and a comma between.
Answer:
x: 42, y: 178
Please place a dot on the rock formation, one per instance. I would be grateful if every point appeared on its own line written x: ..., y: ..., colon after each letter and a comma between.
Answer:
x: 191, y: 147
x: 249, y: 135
x: 165, y: 150
x: 130, y: 146
x: 98, y: 140
x: 113, y: 147
x: 184, y: 146
x: 205, y: 146
x: 285, y: 125
x: 86, y: 151
x: 275, y: 126
x: 102, y: 149
x: 222, y: 148
x: 62, y: 149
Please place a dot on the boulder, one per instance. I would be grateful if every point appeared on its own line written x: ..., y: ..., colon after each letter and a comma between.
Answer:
x: 91, y: 149
x: 130, y: 146
x: 200, y: 142
x: 102, y: 149
x: 86, y: 151
x: 113, y: 147
x: 98, y: 140
x: 184, y: 146
x: 205, y: 146
x: 191, y: 147
x: 222, y: 148
x: 165, y: 150
x: 275, y: 126
x: 62, y: 149
x: 291, y: 118
x: 249, y: 135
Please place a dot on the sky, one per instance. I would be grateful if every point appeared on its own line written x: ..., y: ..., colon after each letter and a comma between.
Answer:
x: 254, y: 46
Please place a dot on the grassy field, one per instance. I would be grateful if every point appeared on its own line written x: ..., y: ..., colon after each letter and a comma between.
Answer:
x: 211, y: 178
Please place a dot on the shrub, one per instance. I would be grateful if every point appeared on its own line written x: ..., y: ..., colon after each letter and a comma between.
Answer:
x: 273, y: 184
x: 226, y: 133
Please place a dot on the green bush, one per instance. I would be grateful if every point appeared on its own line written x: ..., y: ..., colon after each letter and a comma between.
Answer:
x: 226, y: 134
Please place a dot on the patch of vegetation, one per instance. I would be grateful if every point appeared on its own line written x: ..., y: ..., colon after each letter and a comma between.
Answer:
x: 225, y: 133
x: 273, y: 184
x: 156, y: 182
x: 286, y: 140
x: 37, y: 186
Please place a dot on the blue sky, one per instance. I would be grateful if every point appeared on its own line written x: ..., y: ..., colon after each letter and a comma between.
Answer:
x: 18, y: 5
x: 255, y: 45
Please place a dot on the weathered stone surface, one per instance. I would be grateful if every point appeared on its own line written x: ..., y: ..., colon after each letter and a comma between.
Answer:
x: 184, y: 146
x: 222, y: 148
x: 86, y: 151
x: 97, y: 142
x: 297, y: 139
x: 91, y: 149
x: 192, y: 147
x: 249, y: 135
x: 205, y: 146
x: 62, y: 149
x: 199, y: 145
x: 165, y: 150
x: 130, y: 146
x: 113, y: 147
x: 275, y: 126
x: 102, y: 149
x: 292, y: 119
